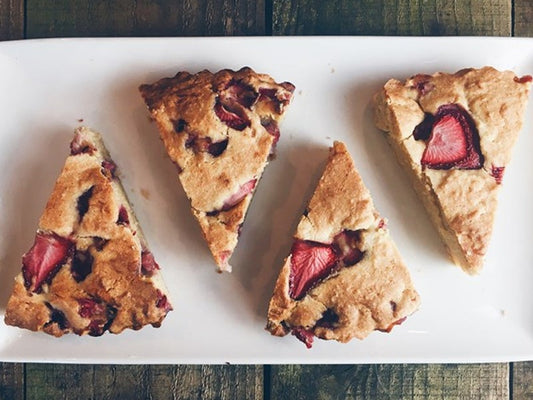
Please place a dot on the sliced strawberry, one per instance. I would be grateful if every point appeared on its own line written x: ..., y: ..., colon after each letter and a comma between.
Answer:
x: 306, y: 336
x: 162, y: 302
x: 90, y: 307
x: 109, y: 168
x: 238, y: 196
x: 101, y: 315
x: 523, y: 79
x: 271, y: 127
x: 346, y: 244
x: 123, y: 217
x: 48, y: 253
x: 311, y: 262
x: 239, y: 92
x: 231, y: 118
x: 497, y: 173
x: 148, y: 263
x: 447, y: 143
x: 453, y: 142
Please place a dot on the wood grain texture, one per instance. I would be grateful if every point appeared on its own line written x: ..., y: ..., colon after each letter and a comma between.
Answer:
x: 144, y: 18
x: 392, y: 17
x: 522, y: 381
x: 523, y: 18
x: 11, y: 381
x: 11, y: 19
x: 106, y: 382
x: 407, y: 381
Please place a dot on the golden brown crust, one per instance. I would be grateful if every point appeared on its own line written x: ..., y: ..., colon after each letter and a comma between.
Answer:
x: 461, y: 203
x: 184, y: 110
x: 116, y: 288
x: 374, y: 293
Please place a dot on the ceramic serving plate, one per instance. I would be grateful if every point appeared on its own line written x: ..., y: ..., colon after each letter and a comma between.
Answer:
x: 48, y: 87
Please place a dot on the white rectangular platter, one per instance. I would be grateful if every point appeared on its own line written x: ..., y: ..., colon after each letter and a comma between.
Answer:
x: 48, y: 87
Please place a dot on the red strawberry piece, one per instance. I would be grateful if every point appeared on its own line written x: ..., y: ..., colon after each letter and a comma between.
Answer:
x: 306, y: 336
x: 231, y: 118
x: 523, y: 79
x: 82, y: 265
x: 347, y: 244
x: 454, y: 140
x: 123, y: 217
x: 101, y: 315
x: 265, y: 93
x: 148, y: 263
x: 382, y: 224
x: 109, y: 168
x: 389, y: 328
x: 271, y: 127
x: 497, y: 173
x: 48, y: 253
x: 162, y: 301
x: 311, y: 262
x: 447, y: 143
x: 238, y: 196
x: 78, y: 146
x: 90, y: 307
x: 239, y: 92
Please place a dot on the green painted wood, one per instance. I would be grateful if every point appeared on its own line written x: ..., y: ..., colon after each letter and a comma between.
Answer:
x: 392, y: 17
x: 387, y: 382
x: 144, y: 18
x: 11, y: 381
x: 523, y: 18
x: 11, y: 19
x: 103, y: 382
x: 522, y: 380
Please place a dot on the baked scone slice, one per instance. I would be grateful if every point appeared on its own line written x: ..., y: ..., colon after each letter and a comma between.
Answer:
x: 344, y: 277
x: 90, y: 268
x: 454, y: 133
x: 219, y: 130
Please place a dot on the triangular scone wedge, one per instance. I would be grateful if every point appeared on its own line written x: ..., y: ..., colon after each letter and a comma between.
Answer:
x: 344, y: 277
x: 219, y: 129
x: 90, y: 268
x: 454, y: 133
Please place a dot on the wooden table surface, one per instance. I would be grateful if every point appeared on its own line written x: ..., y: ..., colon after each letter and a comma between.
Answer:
x: 58, y: 18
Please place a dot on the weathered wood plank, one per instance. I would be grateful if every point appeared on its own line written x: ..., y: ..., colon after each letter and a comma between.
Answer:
x: 51, y: 381
x: 11, y: 381
x: 523, y: 18
x: 11, y: 19
x: 407, y: 381
x: 522, y: 374
x: 392, y: 17
x: 144, y: 18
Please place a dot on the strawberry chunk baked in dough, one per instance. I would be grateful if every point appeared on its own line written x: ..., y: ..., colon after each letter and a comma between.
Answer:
x: 454, y: 134
x: 344, y: 277
x: 90, y: 268
x: 219, y: 130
